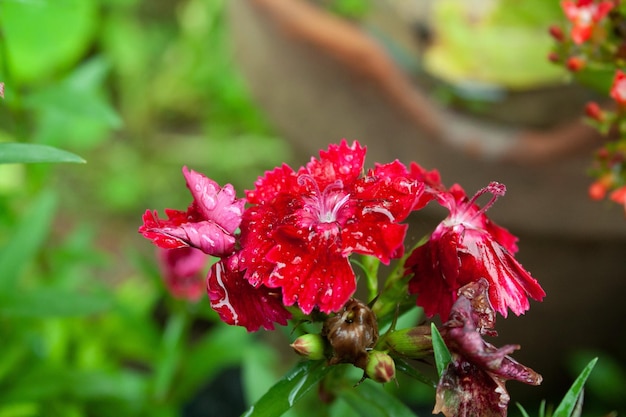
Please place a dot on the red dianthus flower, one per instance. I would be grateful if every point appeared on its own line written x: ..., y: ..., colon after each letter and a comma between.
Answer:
x: 465, y: 247
x: 304, y: 224
x: 585, y: 15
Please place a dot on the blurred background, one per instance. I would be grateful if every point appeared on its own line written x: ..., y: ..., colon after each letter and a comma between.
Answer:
x: 233, y: 88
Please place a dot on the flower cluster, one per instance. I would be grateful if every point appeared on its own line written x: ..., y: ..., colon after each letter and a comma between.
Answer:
x: 286, y: 248
x: 595, y: 52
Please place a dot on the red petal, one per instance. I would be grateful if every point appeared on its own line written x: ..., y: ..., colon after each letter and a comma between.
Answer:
x: 311, y: 275
x: 239, y: 303
x: 339, y: 162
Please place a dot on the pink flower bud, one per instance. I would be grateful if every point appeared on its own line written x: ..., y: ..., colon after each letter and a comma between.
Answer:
x: 380, y: 367
x: 310, y: 346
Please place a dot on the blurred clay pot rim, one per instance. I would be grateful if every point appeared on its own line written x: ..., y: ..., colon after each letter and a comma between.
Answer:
x: 362, y: 55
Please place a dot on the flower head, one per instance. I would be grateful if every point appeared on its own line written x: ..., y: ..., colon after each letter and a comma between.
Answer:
x: 585, y: 15
x: 304, y: 224
x: 474, y: 382
x: 618, y: 89
x: 465, y: 247
x: 208, y: 224
x: 183, y: 271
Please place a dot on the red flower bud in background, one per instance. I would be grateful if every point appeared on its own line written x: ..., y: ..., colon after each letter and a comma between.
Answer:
x: 575, y: 63
x: 557, y: 33
x: 619, y: 196
x: 554, y: 57
x: 183, y: 271
x: 597, y: 190
x: 618, y: 89
x: 593, y: 111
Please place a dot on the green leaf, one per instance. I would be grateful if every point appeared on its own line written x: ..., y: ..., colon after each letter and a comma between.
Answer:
x: 442, y: 354
x: 45, y: 36
x: 289, y: 390
x: 22, y: 153
x: 50, y: 302
x: 370, y: 400
x: 27, y: 239
x: 574, y: 395
x: 405, y: 367
x: 522, y: 410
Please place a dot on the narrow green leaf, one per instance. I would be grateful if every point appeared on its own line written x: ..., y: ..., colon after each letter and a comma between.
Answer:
x: 171, y: 351
x: 405, y: 367
x: 370, y: 400
x: 51, y: 302
x: 27, y: 238
x: 522, y: 410
x: 23, y: 153
x: 289, y: 390
x: 442, y: 354
x: 572, y: 397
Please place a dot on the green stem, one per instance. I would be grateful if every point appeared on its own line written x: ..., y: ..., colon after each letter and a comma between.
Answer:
x: 174, y: 336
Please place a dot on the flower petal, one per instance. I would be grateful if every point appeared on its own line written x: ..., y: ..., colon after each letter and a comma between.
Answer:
x: 183, y: 269
x: 219, y: 205
x: 239, y: 303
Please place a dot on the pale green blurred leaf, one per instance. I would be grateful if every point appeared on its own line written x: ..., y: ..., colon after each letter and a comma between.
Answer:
x: 18, y: 153
x: 486, y: 47
x: 43, y: 36
x: 50, y: 302
x: 27, y: 238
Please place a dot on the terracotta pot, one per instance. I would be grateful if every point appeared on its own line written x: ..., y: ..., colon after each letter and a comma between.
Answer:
x: 320, y: 79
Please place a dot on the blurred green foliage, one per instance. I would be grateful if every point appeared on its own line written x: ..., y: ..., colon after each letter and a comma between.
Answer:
x: 138, y: 89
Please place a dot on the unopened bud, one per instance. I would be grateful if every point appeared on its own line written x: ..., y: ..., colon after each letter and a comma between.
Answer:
x: 554, y: 57
x: 593, y: 111
x: 414, y: 342
x: 310, y: 346
x: 557, y: 33
x: 575, y: 63
x: 380, y: 367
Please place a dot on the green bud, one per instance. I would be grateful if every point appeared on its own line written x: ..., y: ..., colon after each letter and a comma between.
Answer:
x: 310, y: 346
x: 414, y: 342
x: 380, y: 367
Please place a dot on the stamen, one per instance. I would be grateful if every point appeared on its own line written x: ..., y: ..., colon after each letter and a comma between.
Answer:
x: 495, y: 188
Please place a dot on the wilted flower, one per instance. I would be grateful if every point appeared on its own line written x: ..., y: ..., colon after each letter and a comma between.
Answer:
x: 208, y: 224
x: 473, y: 384
x: 465, y: 247
x: 183, y: 271
x: 585, y: 15
x: 305, y: 224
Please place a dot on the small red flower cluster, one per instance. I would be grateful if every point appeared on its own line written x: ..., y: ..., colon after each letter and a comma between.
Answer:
x: 289, y: 241
x: 597, y: 46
